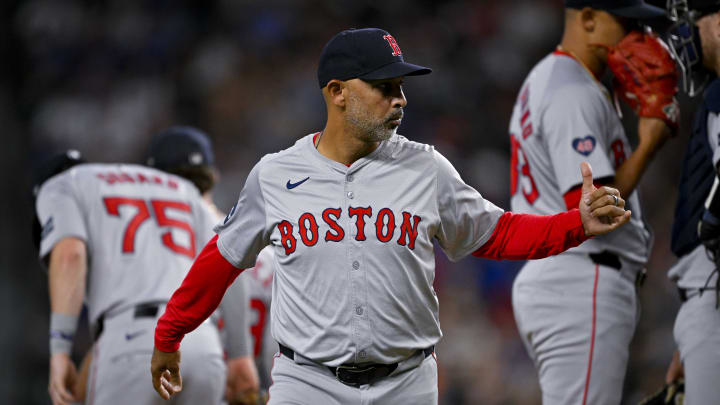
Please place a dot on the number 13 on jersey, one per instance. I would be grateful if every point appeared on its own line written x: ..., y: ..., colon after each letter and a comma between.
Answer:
x: 520, y: 174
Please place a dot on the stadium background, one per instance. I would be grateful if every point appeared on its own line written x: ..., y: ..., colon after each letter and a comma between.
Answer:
x: 103, y: 76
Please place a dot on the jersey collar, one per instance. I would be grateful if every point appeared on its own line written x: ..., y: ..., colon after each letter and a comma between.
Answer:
x: 310, y: 147
x: 563, y: 52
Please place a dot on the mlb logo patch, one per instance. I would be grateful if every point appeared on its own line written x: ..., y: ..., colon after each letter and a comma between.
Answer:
x: 584, y: 146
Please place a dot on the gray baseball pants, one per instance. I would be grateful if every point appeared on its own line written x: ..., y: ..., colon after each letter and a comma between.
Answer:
x: 697, y: 333
x: 120, y: 369
x: 304, y: 382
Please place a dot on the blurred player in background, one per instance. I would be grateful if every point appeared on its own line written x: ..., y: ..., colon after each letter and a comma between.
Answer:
x: 260, y: 279
x: 695, y: 40
x: 93, y: 217
x: 577, y: 312
x: 188, y: 152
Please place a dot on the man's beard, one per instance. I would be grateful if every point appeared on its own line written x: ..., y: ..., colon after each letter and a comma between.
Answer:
x: 369, y: 129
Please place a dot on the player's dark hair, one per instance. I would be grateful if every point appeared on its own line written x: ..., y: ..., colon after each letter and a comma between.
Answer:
x: 204, y: 177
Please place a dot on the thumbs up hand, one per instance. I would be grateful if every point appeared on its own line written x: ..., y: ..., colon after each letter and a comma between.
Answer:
x: 602, y: 210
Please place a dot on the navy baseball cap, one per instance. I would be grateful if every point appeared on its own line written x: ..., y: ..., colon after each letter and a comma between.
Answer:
x: 54, y: 165
x: 180, y: 147
x: 366, y: 53
x: 57, y: 163
x: 635, y: 9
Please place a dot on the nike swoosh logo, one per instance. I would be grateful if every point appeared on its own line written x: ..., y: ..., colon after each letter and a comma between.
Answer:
x: 291, y: 186
x: 130, y: 336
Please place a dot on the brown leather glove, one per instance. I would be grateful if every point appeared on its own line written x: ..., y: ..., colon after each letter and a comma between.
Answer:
x: 646, y: 77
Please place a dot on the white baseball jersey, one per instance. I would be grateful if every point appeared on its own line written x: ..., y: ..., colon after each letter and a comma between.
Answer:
x: 259, y: 282
x: 564, y: 116
x: 142, y: 227
x: 354, y: 251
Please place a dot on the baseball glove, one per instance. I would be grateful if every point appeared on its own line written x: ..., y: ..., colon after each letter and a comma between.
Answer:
x: 670, y: 394
x: 646, y: 77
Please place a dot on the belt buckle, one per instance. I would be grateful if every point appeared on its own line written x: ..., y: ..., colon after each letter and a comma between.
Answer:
x: 350, y: 375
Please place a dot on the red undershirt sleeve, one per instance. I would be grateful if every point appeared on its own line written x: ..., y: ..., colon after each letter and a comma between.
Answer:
x: 196, y: 299
x: 572, y: 197
x: 527, y: 236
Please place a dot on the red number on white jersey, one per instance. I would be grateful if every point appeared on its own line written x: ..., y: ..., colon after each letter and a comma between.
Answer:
x: 519, y: 162
x: 618, y: 152
x: 112, y: 204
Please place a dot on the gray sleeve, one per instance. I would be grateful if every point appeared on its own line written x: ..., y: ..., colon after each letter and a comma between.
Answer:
x: 235, y: 308
x: 59, y: 213
x: 243, y: 233
x: 467, y: 220
x: 713, y: 133
x: 575, y: 131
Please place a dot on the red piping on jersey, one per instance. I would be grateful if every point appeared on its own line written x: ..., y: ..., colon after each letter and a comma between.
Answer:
x: 569, y: 55
x: 198, y: 296
x: 527, y: 236
x: 561, y: 52
x: 592, y: 336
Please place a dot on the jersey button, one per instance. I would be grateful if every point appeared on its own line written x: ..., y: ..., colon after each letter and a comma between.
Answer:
x: 350, y: 195
x: 356, y: 265
x: 358, y: 310
x: 350, y: 178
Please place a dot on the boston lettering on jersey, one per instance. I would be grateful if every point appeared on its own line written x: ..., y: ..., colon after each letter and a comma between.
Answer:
x: 385, y: 227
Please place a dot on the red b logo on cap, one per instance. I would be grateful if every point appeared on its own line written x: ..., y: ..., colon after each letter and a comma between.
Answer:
x: 393, y: 44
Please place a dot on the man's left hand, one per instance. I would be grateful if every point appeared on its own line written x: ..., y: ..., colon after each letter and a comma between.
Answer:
x: 602, y: 210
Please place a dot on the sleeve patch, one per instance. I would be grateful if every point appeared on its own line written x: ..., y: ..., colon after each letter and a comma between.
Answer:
x: 584, y: 146
x: 230, y: 214
x: 47, y: 228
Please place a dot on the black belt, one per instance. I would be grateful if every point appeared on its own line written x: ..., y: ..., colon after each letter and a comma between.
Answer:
x: 606, y: 258
x: 144, y: 310
x: 356, y: 375
x: 612, y: 260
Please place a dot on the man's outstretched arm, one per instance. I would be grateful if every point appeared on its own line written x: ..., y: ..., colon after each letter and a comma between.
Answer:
x: 526, y: 236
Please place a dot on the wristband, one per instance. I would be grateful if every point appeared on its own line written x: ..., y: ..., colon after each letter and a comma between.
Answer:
x: 62, y: 332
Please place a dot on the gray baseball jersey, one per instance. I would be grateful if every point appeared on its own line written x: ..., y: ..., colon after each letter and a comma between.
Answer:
x: 693, y: 269
x: 354, y: 251
x: 563, y: 117
x: 142, y: 228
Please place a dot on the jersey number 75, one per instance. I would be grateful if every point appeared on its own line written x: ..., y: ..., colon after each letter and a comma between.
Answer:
x: 159, y: 207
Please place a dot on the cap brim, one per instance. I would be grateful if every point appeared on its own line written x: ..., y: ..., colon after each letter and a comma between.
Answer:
x: 396, y: 69
x: 639, y: 12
